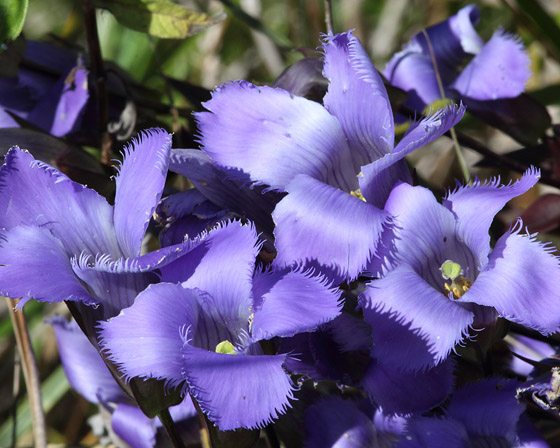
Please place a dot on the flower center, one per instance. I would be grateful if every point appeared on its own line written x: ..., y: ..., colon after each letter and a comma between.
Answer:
x: 459, y: 285
x: 226, y: 347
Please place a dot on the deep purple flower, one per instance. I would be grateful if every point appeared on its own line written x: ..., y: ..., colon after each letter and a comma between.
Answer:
x: 444, y: 278
x: 203, y: 334
x: 499, y: 68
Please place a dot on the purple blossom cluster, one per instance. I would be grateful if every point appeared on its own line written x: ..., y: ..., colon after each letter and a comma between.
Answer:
x: 305, y: 254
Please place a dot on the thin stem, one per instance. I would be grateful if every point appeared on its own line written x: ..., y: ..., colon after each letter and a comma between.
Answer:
x: 329, y: 17
x: 15, y: 393
x: 30, y: 373
x: 100, y: 77
x: 458, y: 151
x: 204, y: 430
x: 170, y: 429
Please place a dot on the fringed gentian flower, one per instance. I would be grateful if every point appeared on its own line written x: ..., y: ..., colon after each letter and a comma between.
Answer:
x: 445, y: 279
x: 290, y: 144
x: 63, y: 241
x: 499, y: 68
x: 204, y: 333
x: 88, y: 374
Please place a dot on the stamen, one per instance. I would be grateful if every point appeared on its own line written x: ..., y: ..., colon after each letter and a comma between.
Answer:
x: 358, y: 194
x: 226, y: 347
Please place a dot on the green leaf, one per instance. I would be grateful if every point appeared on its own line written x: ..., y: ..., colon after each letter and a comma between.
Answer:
x: 160, y: 18
x: 12, y: 16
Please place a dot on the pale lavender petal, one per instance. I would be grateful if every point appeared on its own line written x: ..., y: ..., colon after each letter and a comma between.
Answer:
x: 139, y: 186
x: 35, y: 265
x: 84, y: 368
x: 358, y: 98
x: 476, y: 205
x: 338, y: 423
x: 146, y: 339
x: 406, y: 393
x: 133, y: 427
x: 500, y: 70
x: 349, y: 228
x: 272, y: 136
x: 291, y: 303
x: 237, y: 391
x: 379, y: 177
x: 79, y: 217
x: 413, y: 325
x: 521, y: 280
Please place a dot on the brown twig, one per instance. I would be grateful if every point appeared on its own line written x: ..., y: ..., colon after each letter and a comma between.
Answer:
x: 30, y: 373
x: 329, y: 17
x: 100, y: 77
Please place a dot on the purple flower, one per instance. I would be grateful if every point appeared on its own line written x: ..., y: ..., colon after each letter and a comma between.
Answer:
x: 499, y: 68
x: 445, y: 279
x: 63, y: 241
x: 271, y: 137
x: 203, y: 334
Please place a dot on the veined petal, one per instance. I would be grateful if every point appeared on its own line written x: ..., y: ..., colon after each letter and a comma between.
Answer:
x: 401, y: 393
x: 291, y: 303
x: 500, y: 70
x: 338, y: 423
x: 139, y: 186
x: 349, y: 229
x: 220, y: 189
x: 380, y: 176
x: 476, y: 205
x: 146, y: 339
x: 222, y: 265
x: 34, y: 193
x: 84, y: 368
x: 35, y: 265
x: 358, y: 99
x: 413, y: 325
x: 521, y: 281
x: 237, y: 391
x: 273, y: 135
x: 133, y: 427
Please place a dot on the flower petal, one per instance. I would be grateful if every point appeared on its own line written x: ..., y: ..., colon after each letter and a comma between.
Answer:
x: 133, y: 427
x: 84, y: 368
x: 430, y: 432
x: 349, y: 228
x: 77, y: 216
x: 476, y: 205
x: 220, y: 189
x: 380, y: 176
x: 521, y: 280
x: 338, y: 423
x: 139, y: 186
x: 30, y: 259
x: 237, y: 391
x: 222, y: 265
x: 145, y: 339
x: 413, y: 325
x: 405, y: 393
x: 291, y: 303
x: 273, y: 135
x: 500, y: 70
x: 358, y: 98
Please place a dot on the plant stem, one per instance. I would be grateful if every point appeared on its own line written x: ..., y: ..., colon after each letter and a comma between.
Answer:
x: 30, y: 373
x: 170, y: 429
x: 100, y: 77
x: 329, y: 17
x: 458, y: 151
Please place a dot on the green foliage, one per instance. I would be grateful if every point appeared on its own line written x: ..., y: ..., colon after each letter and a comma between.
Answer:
x: 12, y: 16
x: 159, y: 18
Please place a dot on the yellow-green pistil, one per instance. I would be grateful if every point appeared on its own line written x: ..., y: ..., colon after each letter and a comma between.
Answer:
x: 226, y: 347
x: 453, y: 271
